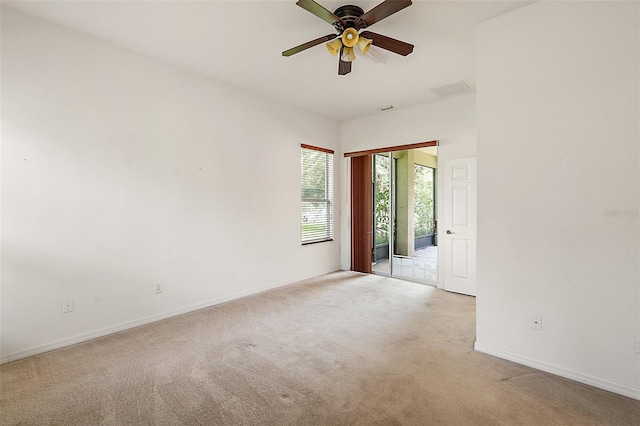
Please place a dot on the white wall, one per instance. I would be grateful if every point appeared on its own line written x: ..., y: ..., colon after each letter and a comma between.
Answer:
x: 119, y: 172
x: 558, y: 139
x: 451, y: 121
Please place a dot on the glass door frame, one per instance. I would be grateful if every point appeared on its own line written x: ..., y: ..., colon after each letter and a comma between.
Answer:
x: 397, y: 261
x: 390, y: 212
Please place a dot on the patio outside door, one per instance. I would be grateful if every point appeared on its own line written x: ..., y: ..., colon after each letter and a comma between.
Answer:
x: 413, y: 213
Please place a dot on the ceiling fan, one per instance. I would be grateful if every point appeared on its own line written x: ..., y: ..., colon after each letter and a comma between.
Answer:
x: 348, y: 20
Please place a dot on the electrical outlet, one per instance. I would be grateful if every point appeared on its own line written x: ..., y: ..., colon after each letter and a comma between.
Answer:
x: 638, y: 344
x: 158, y: 288
x: 536, y: 322
x: 67, y: 306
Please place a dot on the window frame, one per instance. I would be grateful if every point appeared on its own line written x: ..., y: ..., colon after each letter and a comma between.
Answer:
x: 329, y: 194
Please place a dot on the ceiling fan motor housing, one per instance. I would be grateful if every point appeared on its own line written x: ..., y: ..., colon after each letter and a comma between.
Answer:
x: 349, y: 14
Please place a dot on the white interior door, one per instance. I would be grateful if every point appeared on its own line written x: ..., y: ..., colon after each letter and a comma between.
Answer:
x: 457, y: 233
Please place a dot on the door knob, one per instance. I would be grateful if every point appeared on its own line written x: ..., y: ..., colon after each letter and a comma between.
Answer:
x: 449, y: 231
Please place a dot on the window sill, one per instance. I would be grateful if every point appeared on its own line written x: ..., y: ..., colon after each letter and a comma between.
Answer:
x: 316, y: 242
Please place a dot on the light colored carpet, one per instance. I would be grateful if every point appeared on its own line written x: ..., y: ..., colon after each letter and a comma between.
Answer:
x: 341, y: 349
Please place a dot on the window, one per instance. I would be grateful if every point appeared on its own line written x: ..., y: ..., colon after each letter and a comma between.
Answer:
x: 316, y: 194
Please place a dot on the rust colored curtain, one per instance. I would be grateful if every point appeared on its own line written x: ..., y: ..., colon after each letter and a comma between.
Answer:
x: 361, y: 213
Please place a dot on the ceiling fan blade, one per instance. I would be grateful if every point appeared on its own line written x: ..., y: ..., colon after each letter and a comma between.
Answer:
x: 309, y: 44
x: 344, y: 68
x: 388, y: 43
x: 381, y: 11
x: 320, y: 12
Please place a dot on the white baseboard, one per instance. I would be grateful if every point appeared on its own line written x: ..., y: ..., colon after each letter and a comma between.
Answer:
x: 607, y: 385
x: 141, y: 321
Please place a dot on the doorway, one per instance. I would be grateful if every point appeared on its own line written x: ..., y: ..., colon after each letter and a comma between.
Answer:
x: 404, y: 214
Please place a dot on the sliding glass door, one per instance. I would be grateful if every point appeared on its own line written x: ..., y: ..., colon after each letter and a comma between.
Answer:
x: 404, y: 215
x: 381, y: 213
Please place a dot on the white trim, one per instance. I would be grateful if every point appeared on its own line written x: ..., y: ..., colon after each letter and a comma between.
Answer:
x: 607, y: 385
x: 142, y: 321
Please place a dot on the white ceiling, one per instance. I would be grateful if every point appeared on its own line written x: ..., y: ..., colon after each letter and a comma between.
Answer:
x: 240, y: 42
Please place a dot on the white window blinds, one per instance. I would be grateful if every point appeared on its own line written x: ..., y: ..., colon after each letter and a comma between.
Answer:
x: 317, y: 194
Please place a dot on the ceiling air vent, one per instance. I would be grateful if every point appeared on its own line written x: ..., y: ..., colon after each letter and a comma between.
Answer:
x: 451, y: 89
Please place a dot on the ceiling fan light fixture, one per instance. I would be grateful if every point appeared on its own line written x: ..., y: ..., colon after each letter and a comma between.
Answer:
x: 348, y: 55
x: 364, y: 44
x: 334, y: 46
x: 350, y: 37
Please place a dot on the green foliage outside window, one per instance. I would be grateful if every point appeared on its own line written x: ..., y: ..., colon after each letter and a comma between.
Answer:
x: 381, y: 175
x: 424, y: 213
x: 424, y: 200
